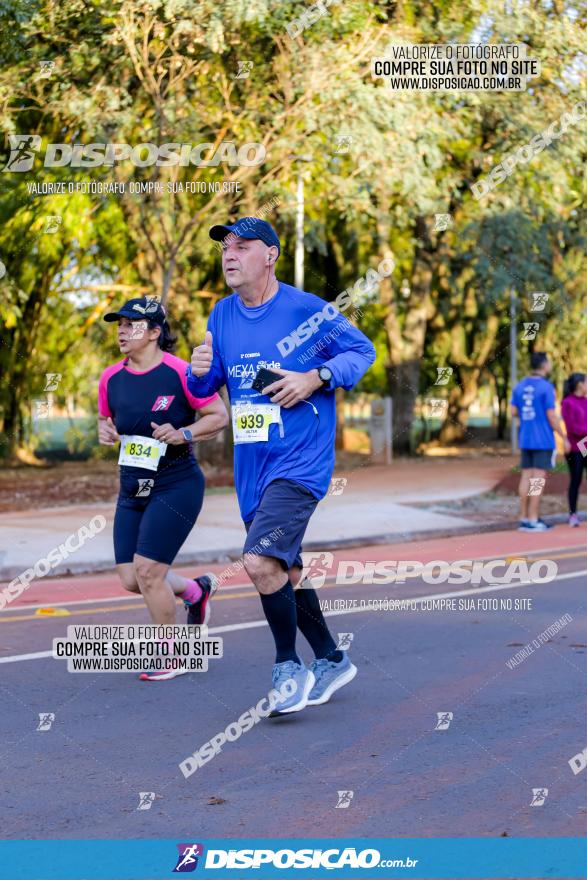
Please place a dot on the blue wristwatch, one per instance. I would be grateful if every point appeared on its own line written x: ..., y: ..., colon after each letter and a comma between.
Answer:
x: 187, y: 435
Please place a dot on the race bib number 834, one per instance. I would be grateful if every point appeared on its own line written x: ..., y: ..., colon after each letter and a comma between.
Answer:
x: 143, y: 452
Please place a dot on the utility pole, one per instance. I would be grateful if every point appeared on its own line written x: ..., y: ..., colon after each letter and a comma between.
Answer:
x: 299, y: 252
x: 513, y: 363
x: 299, y: 255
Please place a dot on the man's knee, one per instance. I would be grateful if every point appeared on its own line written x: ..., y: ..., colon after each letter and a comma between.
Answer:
x: 258, y: 567
x: 295, y: 574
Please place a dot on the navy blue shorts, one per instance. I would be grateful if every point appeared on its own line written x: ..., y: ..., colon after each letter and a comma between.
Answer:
x: 280, y: 522
x: 154, y: 520
x: 541, y: 459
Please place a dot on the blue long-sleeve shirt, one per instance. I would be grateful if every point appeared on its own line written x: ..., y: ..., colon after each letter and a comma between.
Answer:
x: 300, y: 446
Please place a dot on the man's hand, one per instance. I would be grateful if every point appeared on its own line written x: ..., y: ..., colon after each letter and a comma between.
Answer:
x: 107, y: 434
x: 293, y: 387
x: 567, y: 446
x: 202, y: 356
x: 167, y: 434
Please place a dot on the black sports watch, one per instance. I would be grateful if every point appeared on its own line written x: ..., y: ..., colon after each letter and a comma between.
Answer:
x: 187, y: 435
x: 325, y: 375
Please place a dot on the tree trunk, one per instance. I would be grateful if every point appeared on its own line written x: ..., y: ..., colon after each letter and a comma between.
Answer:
x: 404, y: 382
x: 15, y: 378
x: 461, y: 396
x: 405, y: 327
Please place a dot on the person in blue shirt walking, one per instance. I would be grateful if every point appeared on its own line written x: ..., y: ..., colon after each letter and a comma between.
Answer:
x: 283, y: 434
x: 533, y: 402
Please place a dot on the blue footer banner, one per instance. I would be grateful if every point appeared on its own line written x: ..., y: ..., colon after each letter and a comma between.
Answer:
x: 560, y: 857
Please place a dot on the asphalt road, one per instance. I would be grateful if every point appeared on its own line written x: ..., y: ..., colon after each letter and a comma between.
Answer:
x: 512, y: 729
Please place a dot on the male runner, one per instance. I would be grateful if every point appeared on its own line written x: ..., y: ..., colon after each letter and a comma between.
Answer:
x: 284, y: 436
x: 533, y: 401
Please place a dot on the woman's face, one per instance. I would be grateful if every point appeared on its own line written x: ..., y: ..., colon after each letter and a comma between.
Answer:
x: 133, y: 336
x: 581, y: 389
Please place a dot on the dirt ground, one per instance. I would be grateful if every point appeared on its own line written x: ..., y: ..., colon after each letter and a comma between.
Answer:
x: 72, y: 482
x: 59, y: 484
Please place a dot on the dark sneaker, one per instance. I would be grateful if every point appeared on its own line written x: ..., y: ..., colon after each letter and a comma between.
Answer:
x: 199, y: 612
x: 534, y: 526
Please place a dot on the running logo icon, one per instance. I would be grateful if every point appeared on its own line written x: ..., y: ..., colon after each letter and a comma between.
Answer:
x: 437, y: 406
x: 152, y: 303
x: 343, y: 142
x: 244, y: 69
x: 444, y: 374
x: 52, y: 223
x: 539, y: 300
x: 337, y: 485
x: 41, y: 408
x: 530, y: 331
x: 344, y: 641
x: 23, y: 148
x: 344, y: 800
x: 46, y: 719
x: 52, y: 381
x: 539, y: 795
x: 46, y: 69
x: 188, y: 857
x: 138, y: 330
x: 536, y: 485
x: 316, y: 568
x: 146, y: 800
x: 442, y: 222
x: 163, y: 402
x: 444, y: 719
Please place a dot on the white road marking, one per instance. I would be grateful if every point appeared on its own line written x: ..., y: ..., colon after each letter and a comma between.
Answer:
x: 254, y: 624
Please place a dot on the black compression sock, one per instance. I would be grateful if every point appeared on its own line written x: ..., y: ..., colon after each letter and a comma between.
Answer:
x: 280, y: 611
x: 313, y: 626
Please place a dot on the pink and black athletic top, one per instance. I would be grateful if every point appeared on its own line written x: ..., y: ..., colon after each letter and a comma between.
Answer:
x: 134, y: 400
x: 574, y: 413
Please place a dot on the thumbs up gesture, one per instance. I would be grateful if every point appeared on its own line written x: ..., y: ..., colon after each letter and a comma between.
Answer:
x: 202, y: 356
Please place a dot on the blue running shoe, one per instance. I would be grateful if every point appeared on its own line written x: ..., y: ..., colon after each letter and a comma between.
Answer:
x: 537, y: 525
x: 329, y: 677
x: 294, y: 682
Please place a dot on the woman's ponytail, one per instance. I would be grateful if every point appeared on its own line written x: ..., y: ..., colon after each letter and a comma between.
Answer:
x: 166, y: 341
x: 570, y: 384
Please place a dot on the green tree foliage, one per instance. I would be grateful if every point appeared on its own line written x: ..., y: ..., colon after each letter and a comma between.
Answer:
x: 377, y: 167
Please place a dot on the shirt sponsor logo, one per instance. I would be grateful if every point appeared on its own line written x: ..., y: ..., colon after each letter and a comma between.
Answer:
x: 245, y: 373
x: 163, y: 402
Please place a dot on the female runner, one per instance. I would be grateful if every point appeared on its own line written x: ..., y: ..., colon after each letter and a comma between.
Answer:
x: 145, y: 404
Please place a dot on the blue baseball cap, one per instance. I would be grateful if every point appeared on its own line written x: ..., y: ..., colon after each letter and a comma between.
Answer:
x: 248, y: 227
